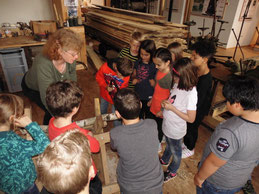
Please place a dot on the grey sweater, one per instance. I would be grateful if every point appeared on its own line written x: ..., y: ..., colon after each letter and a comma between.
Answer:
x: 139, y: 169
x: 43, y: 73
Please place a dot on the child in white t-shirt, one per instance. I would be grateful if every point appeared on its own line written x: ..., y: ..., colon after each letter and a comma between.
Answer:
x: 178, y: 109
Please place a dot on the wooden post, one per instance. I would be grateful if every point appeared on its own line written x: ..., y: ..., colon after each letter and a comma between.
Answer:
x: 104, y: 138
x: 161, y: 7
x: 98, y: 125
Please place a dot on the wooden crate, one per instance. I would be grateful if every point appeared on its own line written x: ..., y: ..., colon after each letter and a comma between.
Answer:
x: 43, y: 26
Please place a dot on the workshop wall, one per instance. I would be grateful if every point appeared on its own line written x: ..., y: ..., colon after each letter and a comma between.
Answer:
x: 13, y: 11
x: 231, y: 14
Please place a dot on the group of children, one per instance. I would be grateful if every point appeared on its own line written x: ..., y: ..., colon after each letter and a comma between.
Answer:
x: 169, y: 96
x: 175, y: 91
x: 66, y: 165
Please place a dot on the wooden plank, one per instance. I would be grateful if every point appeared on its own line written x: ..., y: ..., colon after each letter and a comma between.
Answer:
x: 94, y: 57
x: 20, y: 41
x: 210, y: 122
x: 219, y: 108
x: 87, y: 122
x: 116, y: 31
x: 122, y: 16
x: 98, y: 124
x: 134, y: 13
x: 144, y: 26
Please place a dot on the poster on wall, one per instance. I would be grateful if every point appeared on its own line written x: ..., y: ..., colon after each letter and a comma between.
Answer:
x: 251, y: 10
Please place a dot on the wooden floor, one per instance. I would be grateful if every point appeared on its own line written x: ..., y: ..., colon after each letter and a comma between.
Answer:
x: 183, y: 183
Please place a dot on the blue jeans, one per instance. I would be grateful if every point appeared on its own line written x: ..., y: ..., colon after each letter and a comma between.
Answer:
x: 173, y: 148
x: 104, y: 109
x: 208, y: 188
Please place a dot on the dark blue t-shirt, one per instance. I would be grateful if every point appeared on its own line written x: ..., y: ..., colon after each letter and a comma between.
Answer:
x: 145, y: 72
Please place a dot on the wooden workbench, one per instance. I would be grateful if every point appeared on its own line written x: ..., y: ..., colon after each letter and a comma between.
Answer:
x: 27, y: 41
x: 20, y: 41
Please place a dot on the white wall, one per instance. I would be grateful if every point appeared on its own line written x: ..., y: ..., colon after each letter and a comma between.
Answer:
x: 248, y: 28
x: 231, y: 14
x: 12, y: 11
x: 177, y: 15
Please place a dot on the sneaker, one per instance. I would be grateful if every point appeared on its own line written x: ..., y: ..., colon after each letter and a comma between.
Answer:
x: 187, y: 153
x: 163, y: 139
x: 183, y: 146
x: 248, y: 188
x: 168, y: 176
x: 162, y: 162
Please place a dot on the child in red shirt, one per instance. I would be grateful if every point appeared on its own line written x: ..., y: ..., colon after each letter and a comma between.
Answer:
x: 162, y: 59
x: 63, y: 99
x: 112, y: 76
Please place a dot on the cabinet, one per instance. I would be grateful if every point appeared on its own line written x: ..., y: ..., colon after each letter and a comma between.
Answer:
x: 14, y: 66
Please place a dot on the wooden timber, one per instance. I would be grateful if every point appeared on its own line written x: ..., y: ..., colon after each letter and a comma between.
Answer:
x: 153, y: 17
x: 115, y: 27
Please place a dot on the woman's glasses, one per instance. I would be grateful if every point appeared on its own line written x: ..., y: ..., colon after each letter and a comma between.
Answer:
x: 71, y: 54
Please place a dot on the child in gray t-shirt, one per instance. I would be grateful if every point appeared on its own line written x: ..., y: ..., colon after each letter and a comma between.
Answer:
x: 136, y: 141
x: 232, y: 151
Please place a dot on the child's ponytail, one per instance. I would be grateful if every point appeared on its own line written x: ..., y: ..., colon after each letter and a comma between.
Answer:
x: 10, y: 105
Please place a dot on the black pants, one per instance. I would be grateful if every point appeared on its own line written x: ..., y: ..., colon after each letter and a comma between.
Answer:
x: 191, y: 136
x: 159, y: 122
x: 95, y: 187
x: 35, y: 97
x: 145, y: 111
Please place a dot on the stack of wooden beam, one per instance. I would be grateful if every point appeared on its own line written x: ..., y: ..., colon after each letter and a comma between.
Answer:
x: 115, y: 26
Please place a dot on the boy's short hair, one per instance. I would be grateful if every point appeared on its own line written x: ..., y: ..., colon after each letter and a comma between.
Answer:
x: 64, y: 165
x: 62, y: 97
x: 127, y: 103
x: 204, y: 48
x: 137, y: 36
x: 243, y: 90
x: 124, y: 66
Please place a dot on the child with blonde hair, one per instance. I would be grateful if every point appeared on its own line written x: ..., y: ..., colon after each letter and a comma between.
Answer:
x: 132, y: 52
x: 68, y: 157
x: 17, y: 170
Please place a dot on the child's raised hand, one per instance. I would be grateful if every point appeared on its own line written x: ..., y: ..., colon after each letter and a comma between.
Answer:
x: 166, y: 105
x: 22, y: 121
x: 149, y: 103
x: 135, y: 81
x: 152, y: 82
x: 159, y: 114
x: 197, y: 181
x: 109, y: 89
